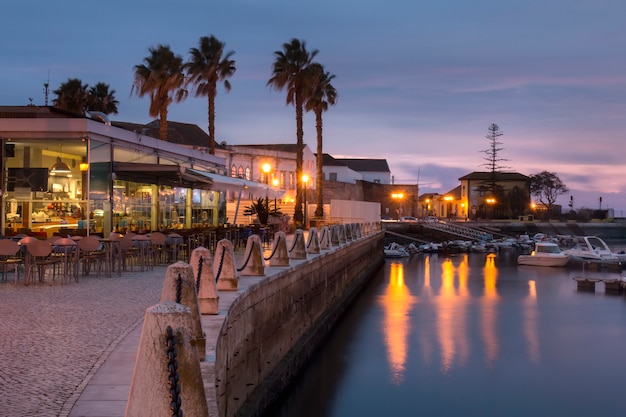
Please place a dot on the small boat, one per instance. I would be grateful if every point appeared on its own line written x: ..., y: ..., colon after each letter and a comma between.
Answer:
x: 592, y: 248
x: 395, y: 250
x: 545, y: 254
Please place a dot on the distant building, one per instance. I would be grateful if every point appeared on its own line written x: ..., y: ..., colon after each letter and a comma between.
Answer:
x: 351, y: 170
x: 498, y: 195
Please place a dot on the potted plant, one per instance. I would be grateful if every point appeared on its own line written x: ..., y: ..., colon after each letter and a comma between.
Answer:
x: 261, y: 208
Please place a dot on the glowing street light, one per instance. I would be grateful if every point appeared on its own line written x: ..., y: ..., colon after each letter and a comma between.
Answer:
x: 305, y: 180
x: 398, y: 197
x: 275, y: 184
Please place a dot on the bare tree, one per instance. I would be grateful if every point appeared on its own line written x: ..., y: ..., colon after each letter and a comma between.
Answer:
x: 547, y: 186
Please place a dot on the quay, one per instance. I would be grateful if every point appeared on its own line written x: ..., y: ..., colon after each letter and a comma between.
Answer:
x: 77, y: 343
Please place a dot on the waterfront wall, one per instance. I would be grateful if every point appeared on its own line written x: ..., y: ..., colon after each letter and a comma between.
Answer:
x: 273, y: 327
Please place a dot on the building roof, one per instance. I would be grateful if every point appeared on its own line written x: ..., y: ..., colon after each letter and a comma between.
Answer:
x: 494, y: 176
x: 276, y: 147
x: 35, y: 112
x: 180, y: 133
x: 330, y: 161
x: 364, y: 165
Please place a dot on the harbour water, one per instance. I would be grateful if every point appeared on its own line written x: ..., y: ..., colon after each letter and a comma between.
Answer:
x: 470, y: 335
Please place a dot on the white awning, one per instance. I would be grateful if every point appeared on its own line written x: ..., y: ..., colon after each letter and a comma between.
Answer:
x: 225, y: 183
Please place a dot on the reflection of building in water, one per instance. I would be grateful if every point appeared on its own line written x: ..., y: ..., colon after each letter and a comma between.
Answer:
x: 489, y: 310
x: 397, y: 303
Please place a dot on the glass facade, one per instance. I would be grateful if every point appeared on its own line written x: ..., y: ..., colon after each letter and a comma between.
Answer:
x: 52, y: 185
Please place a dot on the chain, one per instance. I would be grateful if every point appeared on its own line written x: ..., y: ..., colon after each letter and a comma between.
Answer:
x: 219, y: 269
x: 248, y: 258
x: 198, y: 277
x: 274, y: 249
x: 174, y: 377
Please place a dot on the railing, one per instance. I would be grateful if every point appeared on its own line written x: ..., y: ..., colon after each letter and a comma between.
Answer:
x: 458, y: 230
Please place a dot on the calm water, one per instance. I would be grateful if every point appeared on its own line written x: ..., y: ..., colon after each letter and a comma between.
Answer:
x: 470, y: 335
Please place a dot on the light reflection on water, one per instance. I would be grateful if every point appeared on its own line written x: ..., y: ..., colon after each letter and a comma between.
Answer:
x: 471, y: 335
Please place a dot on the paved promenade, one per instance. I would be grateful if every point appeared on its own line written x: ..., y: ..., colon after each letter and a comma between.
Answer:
x: 69, y: 350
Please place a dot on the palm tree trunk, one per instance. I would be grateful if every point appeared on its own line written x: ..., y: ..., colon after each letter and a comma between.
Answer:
x: 319, y: 210
x: 212, y: 123
x: 298, y: 216
x: 163, y: 123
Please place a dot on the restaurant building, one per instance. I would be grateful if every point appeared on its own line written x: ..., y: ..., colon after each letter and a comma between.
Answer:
x: 66, y: 171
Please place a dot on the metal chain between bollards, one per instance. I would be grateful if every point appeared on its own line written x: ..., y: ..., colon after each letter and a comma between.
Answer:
x: 324, y: 231
x: 219, y: 268
x: 176, y: 401
x: 199, y: 275
x: 295, y: 241
x: 179, y: 289
x: 274, y: 249
x: 248, y: 258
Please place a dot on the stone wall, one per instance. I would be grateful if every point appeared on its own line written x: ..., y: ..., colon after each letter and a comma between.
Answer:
x: 273, y: 327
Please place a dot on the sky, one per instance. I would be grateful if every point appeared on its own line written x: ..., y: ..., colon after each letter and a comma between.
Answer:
x: 419, y: 82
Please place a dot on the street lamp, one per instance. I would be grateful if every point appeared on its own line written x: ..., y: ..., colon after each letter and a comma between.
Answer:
x: 275, y: 184
x: 398, y: 197
x: 491, y: 201
x: 266, y: 169
x: 305, y: 180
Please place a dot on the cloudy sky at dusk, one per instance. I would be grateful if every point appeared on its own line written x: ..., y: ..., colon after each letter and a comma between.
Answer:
x: 419, y: 82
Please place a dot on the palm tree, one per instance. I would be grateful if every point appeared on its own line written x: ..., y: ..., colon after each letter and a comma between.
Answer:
x: 206, y: 68
x: 161, y: 76
x: 71, y: 96
x: 289, y: 70
x: 322, y: 95
x: 101, y: 99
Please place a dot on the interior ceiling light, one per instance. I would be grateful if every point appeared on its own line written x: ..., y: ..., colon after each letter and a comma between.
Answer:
x: 60, y: 167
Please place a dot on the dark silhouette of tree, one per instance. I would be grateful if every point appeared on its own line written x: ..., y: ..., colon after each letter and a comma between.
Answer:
x: 71, y: 96
x: 101, y: 99
x: 76, y: 97
x: 207, y: 66
x: 546, y: 187
x: 162, y: 78
x: 289, y: 71
x: 322, y: 94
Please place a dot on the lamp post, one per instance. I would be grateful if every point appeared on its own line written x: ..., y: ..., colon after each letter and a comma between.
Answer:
x: 275, y: 184
x: 266, y: 170
x: 398, y: 198
x: 491, y: 201
x: 305, y: 180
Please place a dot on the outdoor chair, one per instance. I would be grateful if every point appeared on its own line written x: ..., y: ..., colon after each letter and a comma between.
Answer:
x: 10, y: 258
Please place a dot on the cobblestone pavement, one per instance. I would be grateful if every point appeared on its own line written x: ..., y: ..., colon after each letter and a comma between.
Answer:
x: 54, y: 335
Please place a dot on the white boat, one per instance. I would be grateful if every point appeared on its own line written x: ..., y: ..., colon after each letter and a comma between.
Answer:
x: 545, y: 254
x: 592, y: 248
x: 395, y: 250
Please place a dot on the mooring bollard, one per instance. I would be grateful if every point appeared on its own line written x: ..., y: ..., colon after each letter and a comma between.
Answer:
x: 200, y: 261
x: 334, y: 235
x: 298, y: 247
x: 224, y: 268
x: 180, y: 287
x: 325, y: 238
x: 167, y: 378
x: 253, y: 261
x: 279, y: 255
x: 342, y: 234
x: 313, y: 243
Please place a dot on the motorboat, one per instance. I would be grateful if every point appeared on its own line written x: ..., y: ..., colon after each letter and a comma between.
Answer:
x: 545, y: 254
x: 592, y: 248
x: 395, y: 250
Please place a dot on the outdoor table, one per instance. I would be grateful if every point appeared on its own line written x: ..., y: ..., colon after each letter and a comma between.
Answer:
x: 143, y: 243
x: 111, y: 247
x: 68, y: 250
